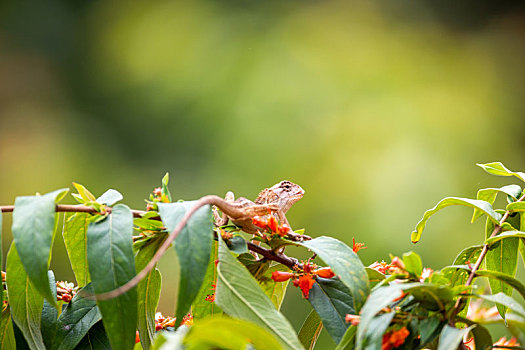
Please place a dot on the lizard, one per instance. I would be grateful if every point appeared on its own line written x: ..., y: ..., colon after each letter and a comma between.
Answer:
x: 276, y: 200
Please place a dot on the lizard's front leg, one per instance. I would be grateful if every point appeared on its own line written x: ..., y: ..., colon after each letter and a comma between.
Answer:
x: 221, y: 220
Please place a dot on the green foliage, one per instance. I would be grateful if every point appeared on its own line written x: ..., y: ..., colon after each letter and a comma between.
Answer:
x: 229, y: 297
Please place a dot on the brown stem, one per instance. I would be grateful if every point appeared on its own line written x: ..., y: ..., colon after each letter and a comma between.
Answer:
x: 484, y: 252
x: 212, y: 200
x: 74, y: 209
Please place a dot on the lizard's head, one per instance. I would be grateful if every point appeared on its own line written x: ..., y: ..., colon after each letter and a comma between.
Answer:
x: 288, y: 193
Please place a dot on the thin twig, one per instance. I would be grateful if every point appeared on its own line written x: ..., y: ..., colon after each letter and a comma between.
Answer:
x: 75, y: 209
x: 484, y: 252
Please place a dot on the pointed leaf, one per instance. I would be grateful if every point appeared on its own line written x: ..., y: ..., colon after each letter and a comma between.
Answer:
x: 427, y: 329
x: 110, y: 197
x: 497, y: 168
x: 193, y: 247
x: 148, y: 291
x: 25, y: 302
x: 450, y: 337
x: 34, y: 220
x: 483, y: 206
x: 501, y: 257
x: 310, y: 330
x: 77, y: 318
x: 505, y: 300
x: 111, y: 264
x: 332, y: 302
x: 347, y: 342
x: 202, y: 306
x: 95, y: 339
x: 504, y: 235
x: 228, y: 333
x: 239, y: 295
x: 375, y: 331
x: 482, y: 337
x: 7, y: 337
x: 84, y: 193
x: 165, y: 189
x: 75, y: 239
x: 413, y: 263
x: 378, y: 299
x: 489, y: 195
x: 48, y: 322
x: 345, y: 264
x: 467, y: 255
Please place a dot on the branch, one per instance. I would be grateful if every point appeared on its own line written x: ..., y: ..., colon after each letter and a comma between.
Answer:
x: 206, y: 200
x: 482, y: 255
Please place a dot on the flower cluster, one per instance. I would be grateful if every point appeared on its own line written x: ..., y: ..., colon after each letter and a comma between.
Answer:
x: 155, y: 197
x: 163, y: 322
x: 211, y: 297
x: 65, y: 291
x: 270, y: 224
x: 304, y: 279
x: 357, y: 246
x: 394, y: 338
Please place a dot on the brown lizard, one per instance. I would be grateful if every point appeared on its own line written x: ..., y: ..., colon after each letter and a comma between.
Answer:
x: 277, y: 199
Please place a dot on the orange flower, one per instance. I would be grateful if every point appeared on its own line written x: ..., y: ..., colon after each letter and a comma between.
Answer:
x: 381, y: 267
x: 503, y: 341
x: 427, y: 272
x: 283, y: 230
x: 188, y: 320
x: 305, y: 282
x: 398, y: 263
x: 157, y: 192
x: 137, y: 339
x: 260, y: 222
x: 394, y: 339
x: 353, y: 319
x: 281, y: 276
x: 357, y: 246
x: 325, y: 272
x: 273, y: 225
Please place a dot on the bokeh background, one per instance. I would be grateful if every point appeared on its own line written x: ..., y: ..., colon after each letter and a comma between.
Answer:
x: 377, y: 108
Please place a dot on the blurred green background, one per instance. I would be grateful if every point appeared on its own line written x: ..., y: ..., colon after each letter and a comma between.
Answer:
x: 377, y: 109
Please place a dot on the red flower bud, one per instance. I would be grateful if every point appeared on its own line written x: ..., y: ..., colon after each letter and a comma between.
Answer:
x: 325, y: 272
x: 281, y: 276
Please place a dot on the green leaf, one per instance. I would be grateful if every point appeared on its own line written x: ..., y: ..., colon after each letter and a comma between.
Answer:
x: 238, y: 245
x: 95, y: 339
x: 505, y: 300
x: 77, y: 318
x: 345, y: 264
x: 522, y: 240
x: 274, y: 290
x: 48, y: 322
x: 497, y: 168
x: 75, y: 239
x: 25, y: 301
x: 239, y: 295
x: 428, y: 328
x: 482, y: 338
x: 310, y: 330
x: 347, y: 342
x: 502, y: 257
x: 374, y: 277
x: 483, y: 206
x: 112, y: 264
x: 84, y: 193
x: 258, y: 268
x: 201, y: 307
x: 489, y: 195
x: 34, y: 220
x: 110, y: 197
x: 413, y: 263
x: 7, y: 337
x: 511, y: 281
x: 378, y: 326
x: 504, y: 235
x: 148, y: 290
x: 1, y: 259
x: 332, y: 302
x: 228, y: 333
x: 467, y: 255
x: 193, y: 247
x: 21, y: 343
x: 450, y: 337
x: 165, y: 189
x: 378, y: 299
